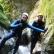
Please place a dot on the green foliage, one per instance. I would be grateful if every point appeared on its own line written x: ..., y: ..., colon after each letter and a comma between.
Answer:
x: 4, y: 22
x: 47, y: 9
x: 6, y: 9
x: 6, y: 5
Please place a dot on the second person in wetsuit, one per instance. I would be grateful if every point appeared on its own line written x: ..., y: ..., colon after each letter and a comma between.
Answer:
x: 36, y: 35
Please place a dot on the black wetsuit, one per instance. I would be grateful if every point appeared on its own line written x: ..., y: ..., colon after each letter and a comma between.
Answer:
x: 16, y: 27
x: 36, y: 35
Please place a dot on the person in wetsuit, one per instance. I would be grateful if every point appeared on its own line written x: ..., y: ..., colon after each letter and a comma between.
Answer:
x: 17, y: 26
x: 36, y: 35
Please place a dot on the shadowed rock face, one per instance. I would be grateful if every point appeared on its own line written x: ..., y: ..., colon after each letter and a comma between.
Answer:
x: 26, y: 36
x: 24, y: 47
x: 25, y: 5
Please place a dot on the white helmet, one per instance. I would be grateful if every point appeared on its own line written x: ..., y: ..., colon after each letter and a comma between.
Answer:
x: 25, y: 13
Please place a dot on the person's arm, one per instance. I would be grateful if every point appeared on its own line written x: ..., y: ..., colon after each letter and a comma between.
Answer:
x: 36, y: 29
x: 15, y: 24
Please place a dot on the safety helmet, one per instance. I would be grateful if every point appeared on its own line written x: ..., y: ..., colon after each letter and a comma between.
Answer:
x: 25, y: 14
